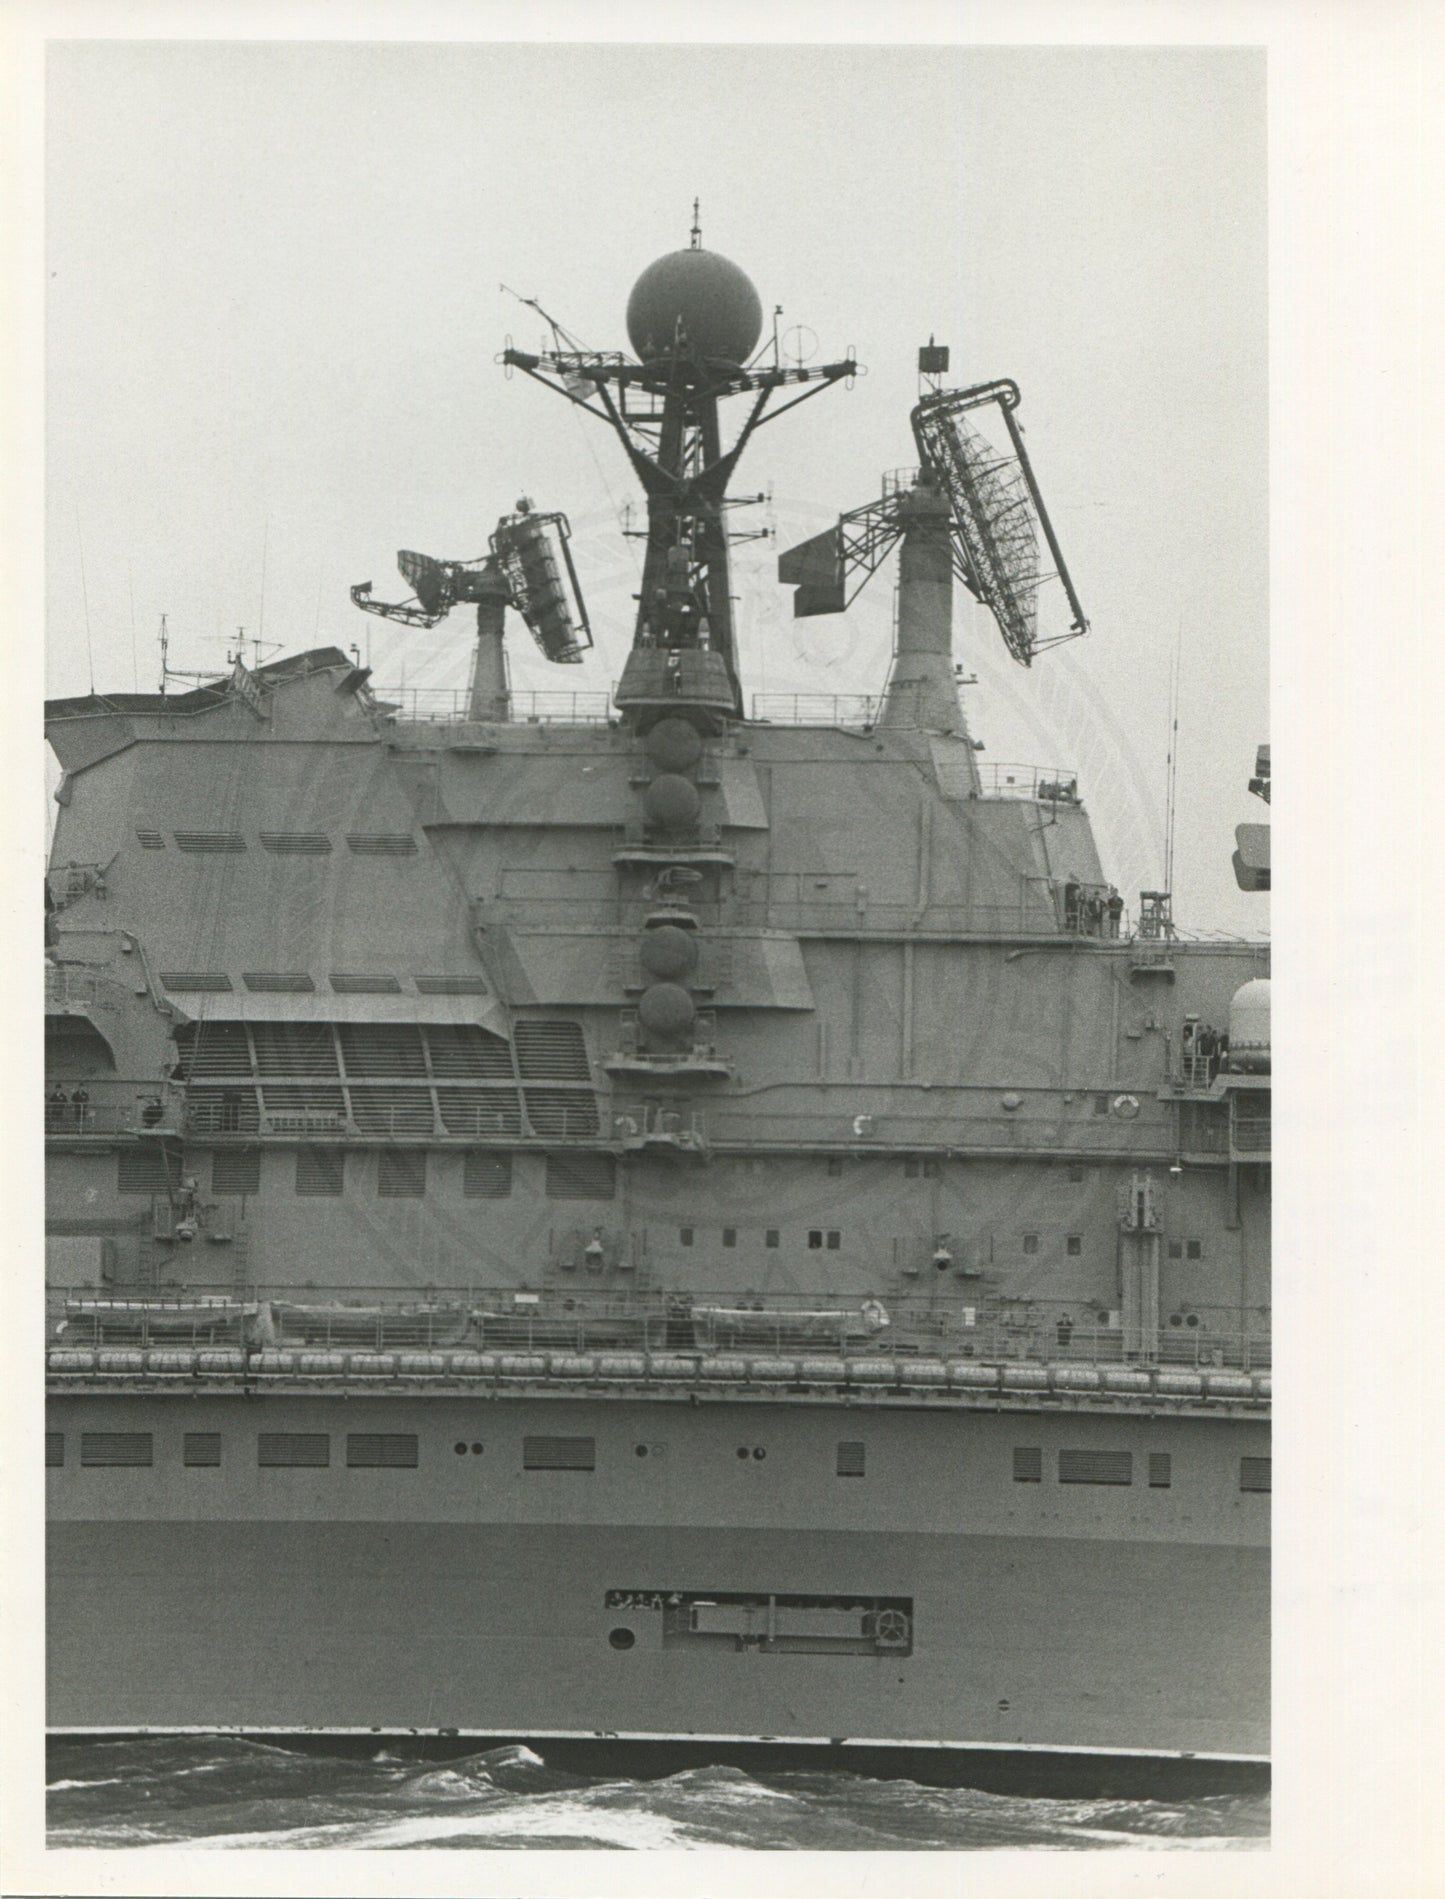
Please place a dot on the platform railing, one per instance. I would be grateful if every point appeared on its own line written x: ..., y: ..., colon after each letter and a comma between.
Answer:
x: 447, y: 705
x: 275, y: 1316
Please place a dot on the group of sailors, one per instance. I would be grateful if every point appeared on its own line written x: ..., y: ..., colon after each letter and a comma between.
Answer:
x: 1093, y: 909
x: 1203, y: 1051
x: 67, y: 1110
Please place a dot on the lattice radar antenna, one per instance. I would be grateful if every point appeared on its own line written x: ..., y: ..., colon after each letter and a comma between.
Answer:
x: 996, y: 520
x: 529, y: 566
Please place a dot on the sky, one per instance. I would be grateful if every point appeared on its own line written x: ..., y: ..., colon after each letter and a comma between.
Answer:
x: 275, y: 304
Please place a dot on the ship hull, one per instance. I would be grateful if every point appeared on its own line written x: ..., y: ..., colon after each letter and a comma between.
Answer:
x: 471, y: 1594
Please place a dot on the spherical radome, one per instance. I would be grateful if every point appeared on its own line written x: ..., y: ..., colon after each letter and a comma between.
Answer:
x: 713, y: 301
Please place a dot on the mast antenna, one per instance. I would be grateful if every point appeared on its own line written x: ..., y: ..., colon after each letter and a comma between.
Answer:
x: 696, y: 233
x: 165, y: 640
x: 1172, y: 767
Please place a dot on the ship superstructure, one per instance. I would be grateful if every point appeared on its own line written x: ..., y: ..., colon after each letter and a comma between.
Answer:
x: 675, y: 1216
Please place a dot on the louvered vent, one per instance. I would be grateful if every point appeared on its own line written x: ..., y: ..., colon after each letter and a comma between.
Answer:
x: 296, y: 1108
x: 570, y: 1113
x: 1254, y: 1473
x: 365, y: 985
x: 381, y: 1450
x: 146, y: 1170
x: 1028, y: 1465
x: 450, y: 985
x: 1161, y: 1470
x: 1096, y: 1467
x: 559, y: 1453
x: 186, y: 981
x: 401, y: 1173
x: 381, y: 843
x: 151, y: 840
x: 214, y: 1049
x: 224, y: 843
x: 294, y: 1048
x: 289, y: 1450
x: 487, y: 1176
x: 278, y: 983
x: 382, y: 1048
x: 481, y: 1113
x: 551, y: 1051
x: 465, y: 1053
x: 201, y: 1450
x: 113, y: 1448
x: 320, y: 1170
x: 54, y: 1449
x: 236, y: 1170
x: 581, y: 1177
x: 297, y: 843
x: 851, y: 1459
x: 393, y: 1110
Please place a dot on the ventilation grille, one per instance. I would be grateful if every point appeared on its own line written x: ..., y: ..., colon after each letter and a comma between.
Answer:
x: 401, y: 1175
x: 183, y: 981
x: 289, y: 1450
x: 1096, y: 1467
x: 382, y: 1049
x: 1028, y: 1465
x: 294, y: 1048
x: 54, y: 1449
x: 111, y: 1448
x: 1254, y: 1473
x: 146, y: 1170
x: 487, y: 1176
x: 296, y: 843
x: 213, y: 842
x: 450, y: 985
x: 851, y: 1460
x: 381, y: 843
x: 151, y: 840
x: 292, y: 1107
x: 467, y: 1054
x: 581, y: 1177
x: 320, y: 1169
x: 555, y: 1111
x: 279, y: 983
x: 381, y: 1450
x: 559, y: 1453
x: 236, y: 1170
x: 214, y: 1048
x: 364, y: 985
x: 481, y: 1113
x: 551, y: 1051
x: 201, y: 1450
x: 1161, y: 1471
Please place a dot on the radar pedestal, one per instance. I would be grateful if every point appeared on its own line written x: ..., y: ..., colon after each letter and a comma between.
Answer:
x: 922, y: 689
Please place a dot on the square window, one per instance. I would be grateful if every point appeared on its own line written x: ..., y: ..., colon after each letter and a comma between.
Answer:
x: 1195, y: 1249
x: 1101, y: 1104
x: 1031, y: 1242
x: 815, y: 1239
x: 1074, y: 1245
x: 835, y: 1164
x: 771, y: 1237
x: 684, y: 1236
x: 1176, y: 1249
x: 730, y: 1236
x: 911, y: 1167
x: 835, y: 1239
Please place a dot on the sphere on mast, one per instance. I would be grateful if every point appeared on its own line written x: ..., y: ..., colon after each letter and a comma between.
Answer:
x: 696, y: 300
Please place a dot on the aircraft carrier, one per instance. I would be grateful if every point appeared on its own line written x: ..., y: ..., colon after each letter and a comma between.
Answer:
x: 662, y: 1216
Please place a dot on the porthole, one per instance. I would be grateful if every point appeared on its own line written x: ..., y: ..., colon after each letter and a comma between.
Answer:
x: 639, y: 1450
x: 476, y: 1450
x: 759, y: 1453
x: 742, y: 1450
x: 622, y: 1638
x: 460, y: 1449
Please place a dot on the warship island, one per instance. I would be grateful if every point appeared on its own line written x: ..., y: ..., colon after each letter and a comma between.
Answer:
x: 677, y: 1216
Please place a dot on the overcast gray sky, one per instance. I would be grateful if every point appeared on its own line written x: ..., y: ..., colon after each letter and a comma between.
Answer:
x: 274, y: 312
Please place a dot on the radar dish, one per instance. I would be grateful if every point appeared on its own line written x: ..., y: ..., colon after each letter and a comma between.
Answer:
x: 536, y: 564
x: 997, y: 514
